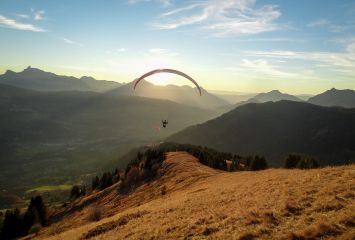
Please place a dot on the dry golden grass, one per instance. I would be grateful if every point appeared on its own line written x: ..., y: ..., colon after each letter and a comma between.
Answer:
x: 192, y: 201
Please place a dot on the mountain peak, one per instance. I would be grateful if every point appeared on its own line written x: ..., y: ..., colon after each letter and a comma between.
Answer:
x: 335, y: 97
x: 275, y: 92
x: 30, y: 69
x: 87, y: 78
x: 274, y: 96
x: 8, y: 72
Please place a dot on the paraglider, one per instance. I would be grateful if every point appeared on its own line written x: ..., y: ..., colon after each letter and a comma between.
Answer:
x: 164, y: 123
x: 166, y: 70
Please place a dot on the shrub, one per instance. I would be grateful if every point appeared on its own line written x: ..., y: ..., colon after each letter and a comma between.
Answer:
x: 95, y: 214
x: 258, y: 163
x: 163, y: 190
x: 301, y: 162
x: 308, y: 163
x: 77, y: 191
x: 35, y: 229
x: 292, y: 161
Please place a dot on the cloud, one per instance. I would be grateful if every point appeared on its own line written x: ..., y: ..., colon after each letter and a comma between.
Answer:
x: 325, y: 23
x: 38, y: 15
x: 332, y: 61
x: 262, y: 66
x: 10, y: 23
x: 73, y: 42
x: 253, y: 39
x: 119, y: 50
x: 25, y: 16
x: 162, y: 2
x: 222, y: 17
x: 319, y: 22
x: 162, y: 51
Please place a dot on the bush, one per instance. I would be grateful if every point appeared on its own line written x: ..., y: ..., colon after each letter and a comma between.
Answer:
x: 35, y: 229
x: 308, y: 163
x: 301, y: 162
x: 292, y: 161
x: 258, y: 163
x: 95, y: 214
x: 163, y: 190
x: 77, y: 191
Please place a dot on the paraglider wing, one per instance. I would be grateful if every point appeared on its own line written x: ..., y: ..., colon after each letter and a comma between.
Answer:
x: 168, y: 71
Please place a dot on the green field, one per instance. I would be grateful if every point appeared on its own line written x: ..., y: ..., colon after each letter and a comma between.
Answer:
x: 49, y: 188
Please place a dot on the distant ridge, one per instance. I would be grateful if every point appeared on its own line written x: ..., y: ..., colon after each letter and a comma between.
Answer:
x: 335, y: 97
x: 36, y: 79
x: 275, y: 129
x: 274, y: 96
x: 180, y: 94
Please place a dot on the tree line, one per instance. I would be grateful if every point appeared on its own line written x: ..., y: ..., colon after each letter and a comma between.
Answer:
x: 144, y: 166
x: 16, y: 224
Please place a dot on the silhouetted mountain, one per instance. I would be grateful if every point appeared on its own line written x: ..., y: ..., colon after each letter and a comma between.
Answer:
x: 100, y: 85
x: 50, y: 137
x: 334, y: 97
x: 275, y: 129
x: 272, y: 96
x: 304, y: 97
x: 233, y: 97
x: 36, y: 79
x: 184, y: 94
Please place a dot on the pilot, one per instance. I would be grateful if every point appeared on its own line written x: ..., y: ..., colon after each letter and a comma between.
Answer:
x: 164, y: 123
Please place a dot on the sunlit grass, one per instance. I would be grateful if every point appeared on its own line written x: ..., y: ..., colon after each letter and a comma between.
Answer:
x: 49, y: 188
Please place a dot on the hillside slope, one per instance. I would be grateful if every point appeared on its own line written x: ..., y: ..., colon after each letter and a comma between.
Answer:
x: 201, y: 202
x: 278, y: 129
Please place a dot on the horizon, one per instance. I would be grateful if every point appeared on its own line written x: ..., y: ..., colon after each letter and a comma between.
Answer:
x: 157, y: 83
x: 244, y: 46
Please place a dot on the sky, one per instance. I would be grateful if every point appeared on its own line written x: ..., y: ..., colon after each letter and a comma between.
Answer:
x: 297, y: 47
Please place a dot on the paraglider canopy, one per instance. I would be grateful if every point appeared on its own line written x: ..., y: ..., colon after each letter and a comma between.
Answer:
x: 166, y: 70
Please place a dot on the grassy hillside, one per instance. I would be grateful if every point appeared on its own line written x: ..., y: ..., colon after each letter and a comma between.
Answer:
x: 191, y: 200
x: 277, y: 129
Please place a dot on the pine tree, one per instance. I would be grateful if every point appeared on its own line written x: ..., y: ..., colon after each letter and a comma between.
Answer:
x: 95, y: 183
x: 75, y: 192
x: 12, y: 224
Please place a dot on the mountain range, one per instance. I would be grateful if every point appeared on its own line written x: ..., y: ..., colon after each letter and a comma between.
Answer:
x: 58, y: 123
x: 276, y: 129
x: 180, y: 94
x: 335, y: 97
x: 36, y: 79
x: 39, y: 80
